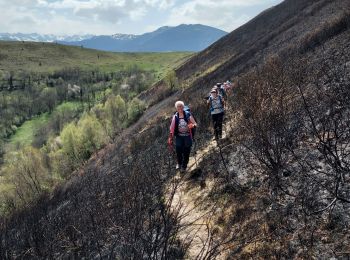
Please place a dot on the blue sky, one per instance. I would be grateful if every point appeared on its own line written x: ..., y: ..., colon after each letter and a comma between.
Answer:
x: 68, y: 17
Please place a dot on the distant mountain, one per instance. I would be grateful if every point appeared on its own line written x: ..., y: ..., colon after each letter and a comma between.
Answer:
x: 193, y: 37
x: 34, y: 37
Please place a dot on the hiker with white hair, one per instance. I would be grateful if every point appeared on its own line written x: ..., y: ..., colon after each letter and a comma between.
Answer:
x: 181, y: 128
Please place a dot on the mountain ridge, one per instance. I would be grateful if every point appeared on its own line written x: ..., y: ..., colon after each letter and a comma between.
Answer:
x: 184, y: 37
x: 36, y: 37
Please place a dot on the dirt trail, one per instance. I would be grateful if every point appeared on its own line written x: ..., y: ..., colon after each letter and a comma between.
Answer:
x: 196, y: 215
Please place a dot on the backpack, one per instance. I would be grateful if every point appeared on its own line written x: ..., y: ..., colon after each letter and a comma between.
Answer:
x: 211, y: 103
x: 188, y: 114
x: 222, y: 92
x: 188, y: 110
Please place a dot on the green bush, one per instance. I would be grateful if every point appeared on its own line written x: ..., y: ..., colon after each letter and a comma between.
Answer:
x: 26, y: 176
x: 171, y: 80
x: 71, y: 137
x: 79, y: 141
x: 135, y: 109
x: 93, y: 136
x: 116, y: 112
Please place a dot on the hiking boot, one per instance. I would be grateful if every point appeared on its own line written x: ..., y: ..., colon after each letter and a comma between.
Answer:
x: 183, y: 169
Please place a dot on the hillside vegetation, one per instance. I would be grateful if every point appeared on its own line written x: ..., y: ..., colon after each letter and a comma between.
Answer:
x: 35, y: 77
x: 61, y: 111
x: 19, y: 57
x: 276, y: 187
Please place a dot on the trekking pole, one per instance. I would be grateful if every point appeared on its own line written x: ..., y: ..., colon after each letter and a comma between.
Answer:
x: 195, y: 152
x: 194, y: 146
x: 171, y: 150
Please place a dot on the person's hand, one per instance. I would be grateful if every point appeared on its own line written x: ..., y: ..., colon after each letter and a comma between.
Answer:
x: 191, y: 125
x: 170, y: 141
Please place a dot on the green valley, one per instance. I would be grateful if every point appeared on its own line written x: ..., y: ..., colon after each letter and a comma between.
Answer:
x: 21, y: 57
x: 59, y: 104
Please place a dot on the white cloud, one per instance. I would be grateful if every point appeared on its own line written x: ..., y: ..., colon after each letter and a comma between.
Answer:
x: 222, y: 14
x: 61, y: 25
x: 113, y: 16
x: 19, y: 2
x: 108, y: 10
x: 165, y: 4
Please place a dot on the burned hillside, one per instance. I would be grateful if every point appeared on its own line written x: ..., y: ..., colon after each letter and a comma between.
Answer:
x: 280, y: 176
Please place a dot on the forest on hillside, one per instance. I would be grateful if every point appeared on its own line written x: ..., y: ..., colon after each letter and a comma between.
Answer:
x: 53, y: 122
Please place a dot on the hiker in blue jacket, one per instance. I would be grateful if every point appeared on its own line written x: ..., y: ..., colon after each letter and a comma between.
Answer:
x: 217, y: 109
x: 181, y: 127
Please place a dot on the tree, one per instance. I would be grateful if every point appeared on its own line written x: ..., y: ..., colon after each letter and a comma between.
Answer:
x: 100, y: 113
x: 171, y: 80
x: 116, y: 111
x: 27, y: 173
x: 135, y: 109
x: 71, y: 137
x: 92, y: 135
x: 49, y: 96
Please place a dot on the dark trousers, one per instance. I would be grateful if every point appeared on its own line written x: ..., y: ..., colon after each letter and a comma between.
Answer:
x: 183, y: 150
x: 217, y: 123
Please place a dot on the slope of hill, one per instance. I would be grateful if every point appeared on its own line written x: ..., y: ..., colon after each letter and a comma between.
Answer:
x: 194, y: 37
x: 281, y: 176
x: 287, y: 24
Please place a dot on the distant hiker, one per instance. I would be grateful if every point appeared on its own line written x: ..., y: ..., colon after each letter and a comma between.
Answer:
x: 216, y: 104
x: 221, y: 89
x: 181, y: 127
x: 227, y: 87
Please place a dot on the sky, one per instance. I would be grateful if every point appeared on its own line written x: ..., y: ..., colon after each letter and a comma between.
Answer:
x: 106, y: 17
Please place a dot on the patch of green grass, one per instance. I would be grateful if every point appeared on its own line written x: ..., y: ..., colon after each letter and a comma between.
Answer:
x: 49, y: 57
x: 69, y: 105
x: 25, y: 133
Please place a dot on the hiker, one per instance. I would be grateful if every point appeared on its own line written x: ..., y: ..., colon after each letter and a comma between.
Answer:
x: 221, y: 89
x: 181, y: 127
x: 227, y: 87
x: 216, y: 104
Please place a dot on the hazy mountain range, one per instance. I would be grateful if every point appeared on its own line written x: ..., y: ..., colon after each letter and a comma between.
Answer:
x: 193, y: 37
x: 35, y: 37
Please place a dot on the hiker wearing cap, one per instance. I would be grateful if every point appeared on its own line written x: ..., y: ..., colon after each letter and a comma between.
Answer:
x: 181, y: 127
x: 216, y: 104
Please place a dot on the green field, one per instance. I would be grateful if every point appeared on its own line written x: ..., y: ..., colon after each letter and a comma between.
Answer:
x: 49, y: 57
x: 25, y: 58
x: 24, y: 135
